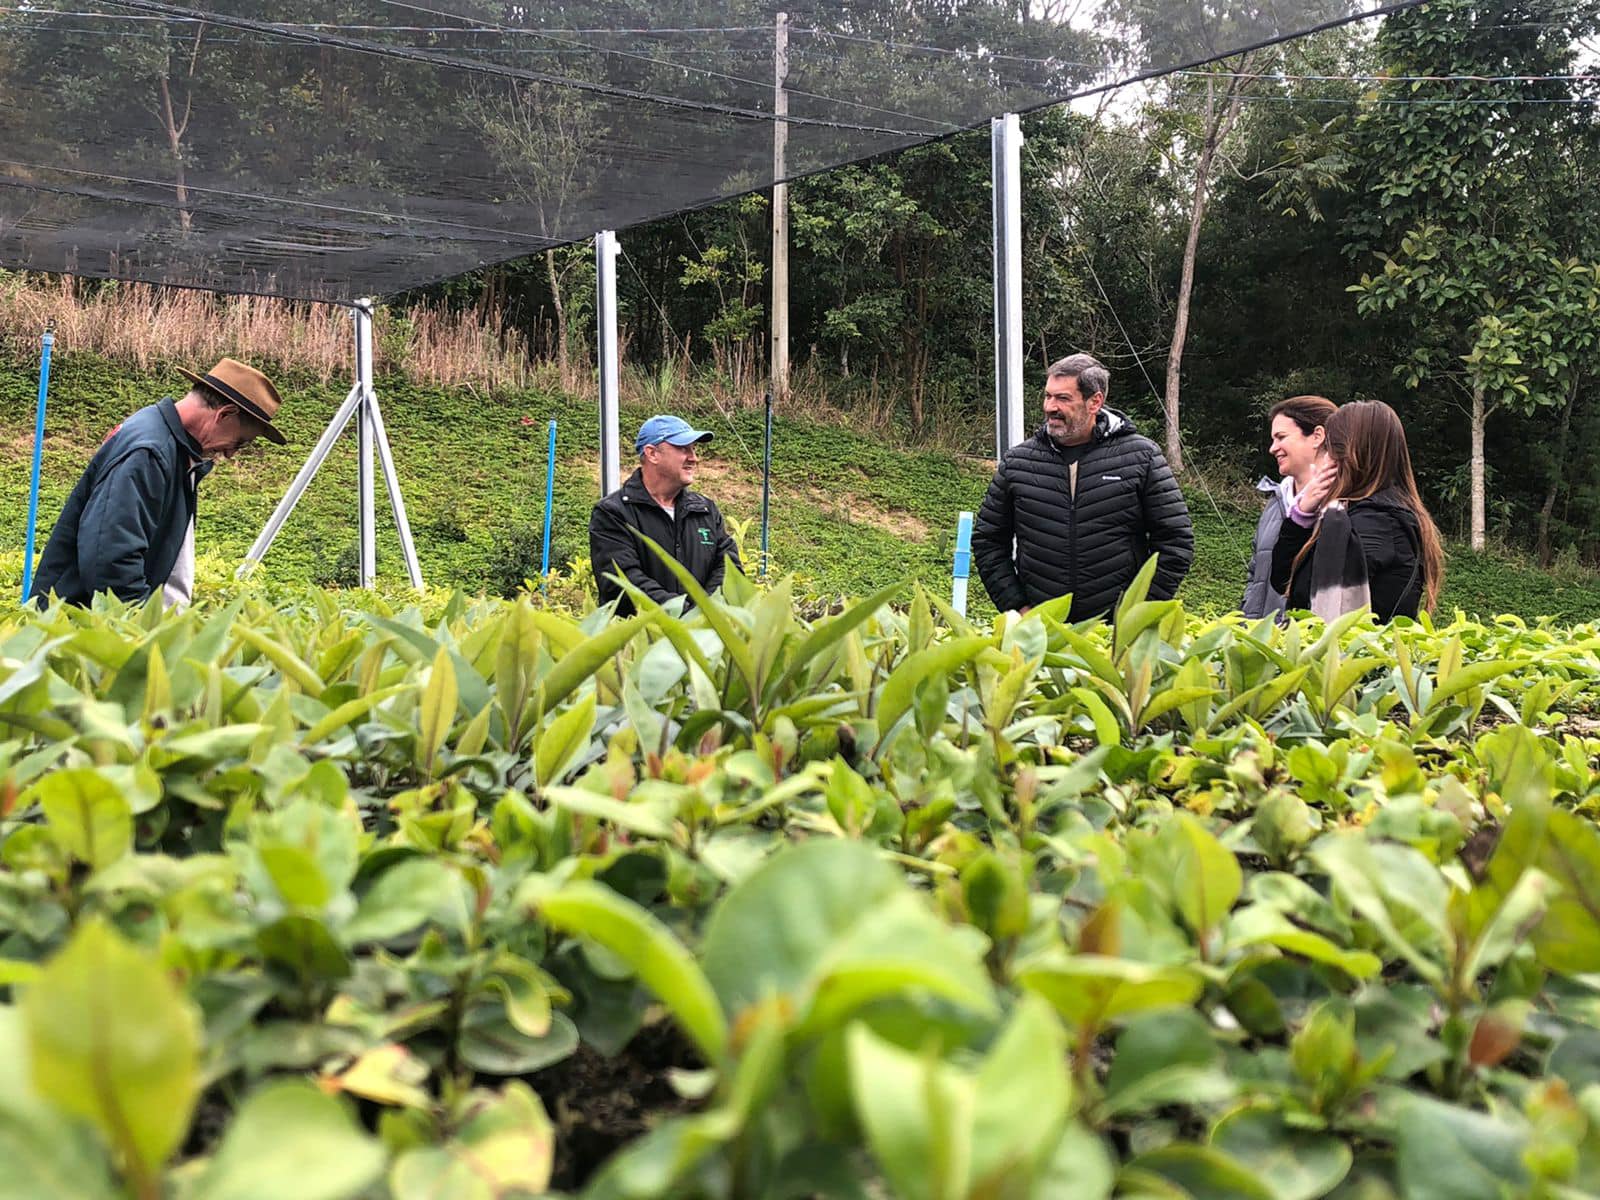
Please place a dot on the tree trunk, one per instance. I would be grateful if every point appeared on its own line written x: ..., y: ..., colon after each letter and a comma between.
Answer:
x: 561, y: 315
x: 1476, y: 533
x: 174, y: 133
x: 1557, y: 473
x: 1218, y: 125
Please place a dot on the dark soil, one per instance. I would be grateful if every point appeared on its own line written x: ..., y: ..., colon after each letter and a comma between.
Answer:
x: 600, y: 1104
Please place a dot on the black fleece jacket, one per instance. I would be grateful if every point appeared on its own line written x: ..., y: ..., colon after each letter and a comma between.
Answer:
x: 694, y: 534
x: 1391, y: 543
x: 1090, y: 542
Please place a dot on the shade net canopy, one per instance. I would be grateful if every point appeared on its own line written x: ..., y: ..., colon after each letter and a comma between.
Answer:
x: 333, y: 150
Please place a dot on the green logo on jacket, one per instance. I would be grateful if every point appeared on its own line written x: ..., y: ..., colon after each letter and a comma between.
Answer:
x: 705, y: 536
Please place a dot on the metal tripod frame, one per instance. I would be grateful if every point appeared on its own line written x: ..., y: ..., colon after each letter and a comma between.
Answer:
x: 362, y: 404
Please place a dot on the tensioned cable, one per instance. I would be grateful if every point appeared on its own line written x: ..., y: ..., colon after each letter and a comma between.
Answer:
x: 662, y: 30
x: 1424, y: 101
x: 667, y: 62
x: 509, y: 237
x: 1127, y: 338
x: 673, y: 331
x: 436, y: 59
x: 1585, y: 77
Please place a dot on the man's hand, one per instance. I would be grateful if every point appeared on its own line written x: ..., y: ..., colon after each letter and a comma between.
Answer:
x: 1318, y: 488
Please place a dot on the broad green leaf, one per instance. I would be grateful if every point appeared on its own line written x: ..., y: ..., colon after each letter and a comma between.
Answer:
x: 561, y: 741
x: 46, y: 1154
x: 1206, y: 879
x: 1568, y: 938
x: 1081, y: 1168
x: 917, y: 1114
x: 1296, y: 1164
x: 289, y: 1141
x: 506, y: 1149
x: 826, y: 634
x: 734, y: 644
x: 1023, y: 1092
x: 290, y: 664
x: 1163, y: 1058
x: 112, y: 1040
x: 437, y: 712
x: 899, y: 690
x: 642, y: 817
x: 350, y: 710
x: 771, y: 932
x: 1203, y: 1173
x: 87, y: 814
x: 663, y: 965
x: 490, y: 1043
x: 897, y: 946
x: 1090, y: 990
x: 1476, y: 675
x: 581, y: 662
x: 404, y: 896
x: 1450, y: 1153
x: 1395, y: 889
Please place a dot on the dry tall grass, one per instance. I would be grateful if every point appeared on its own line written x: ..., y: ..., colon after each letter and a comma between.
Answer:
x: 147, y: 326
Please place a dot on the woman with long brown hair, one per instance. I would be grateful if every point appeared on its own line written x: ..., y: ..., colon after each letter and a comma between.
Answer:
x: 1358, y: 534
x: 1295, y: 433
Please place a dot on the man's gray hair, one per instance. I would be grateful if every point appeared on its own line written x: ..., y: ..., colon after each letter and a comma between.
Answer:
x: 1091, y: 375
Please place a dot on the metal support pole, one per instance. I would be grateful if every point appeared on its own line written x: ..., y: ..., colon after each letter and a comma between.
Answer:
x: 766, y: 489
x: 397, y: 503
x: 549, y: 507
x: 605, y: 265
x: 46, y: 341
x: 308, y: 471
x: 1006, y: 145
x: 963, y: 563
x: 366, y: 518
x: 371, y: 435
x: 778, y: 359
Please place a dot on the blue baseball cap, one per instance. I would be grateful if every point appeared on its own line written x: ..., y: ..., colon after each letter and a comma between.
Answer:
x: 662, y: 428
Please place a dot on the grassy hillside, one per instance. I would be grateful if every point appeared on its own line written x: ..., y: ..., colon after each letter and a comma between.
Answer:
x: 849, y: 512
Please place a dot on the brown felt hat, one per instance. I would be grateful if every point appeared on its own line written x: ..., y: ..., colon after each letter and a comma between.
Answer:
x: 245, y: 387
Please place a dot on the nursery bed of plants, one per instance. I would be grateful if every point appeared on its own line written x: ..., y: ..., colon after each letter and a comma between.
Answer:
x: 312, y: 900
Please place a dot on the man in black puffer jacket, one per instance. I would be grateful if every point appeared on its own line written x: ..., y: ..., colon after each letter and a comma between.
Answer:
x: 1085, y: 500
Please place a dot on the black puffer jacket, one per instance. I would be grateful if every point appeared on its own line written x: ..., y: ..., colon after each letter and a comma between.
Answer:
x: 694, y: 535
x: 1127, y: 507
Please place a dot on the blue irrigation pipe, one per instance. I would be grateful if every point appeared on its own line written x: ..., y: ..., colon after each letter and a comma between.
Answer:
x: 549, y: 502
x: 766, y: 487
x: 46, y: 342
x: 963, y: 563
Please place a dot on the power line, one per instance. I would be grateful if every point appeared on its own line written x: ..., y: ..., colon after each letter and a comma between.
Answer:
x: 763, y: 84
x: 1127, y: 338
x: 436, y: 59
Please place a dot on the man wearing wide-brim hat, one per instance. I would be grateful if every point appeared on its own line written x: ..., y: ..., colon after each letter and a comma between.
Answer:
x: 128, y: 526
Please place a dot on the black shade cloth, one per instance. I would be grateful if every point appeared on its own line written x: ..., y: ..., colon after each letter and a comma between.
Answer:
x: 333, y: 150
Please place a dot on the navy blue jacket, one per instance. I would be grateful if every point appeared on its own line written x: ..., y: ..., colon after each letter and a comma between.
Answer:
x: 125, y: 521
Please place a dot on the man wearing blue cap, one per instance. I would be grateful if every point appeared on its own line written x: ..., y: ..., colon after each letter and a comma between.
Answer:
x: 655, y: 502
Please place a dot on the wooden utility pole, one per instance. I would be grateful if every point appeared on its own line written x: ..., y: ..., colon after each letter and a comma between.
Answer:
x: 778, y: 359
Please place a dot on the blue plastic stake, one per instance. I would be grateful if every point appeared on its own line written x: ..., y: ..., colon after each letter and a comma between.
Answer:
x: 766, y: 487
x: 963, y: 564
x: 47, y: 341
x: 549, y: 501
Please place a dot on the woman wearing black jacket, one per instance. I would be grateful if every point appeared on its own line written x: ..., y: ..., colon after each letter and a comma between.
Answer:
x: 1358, y: 535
